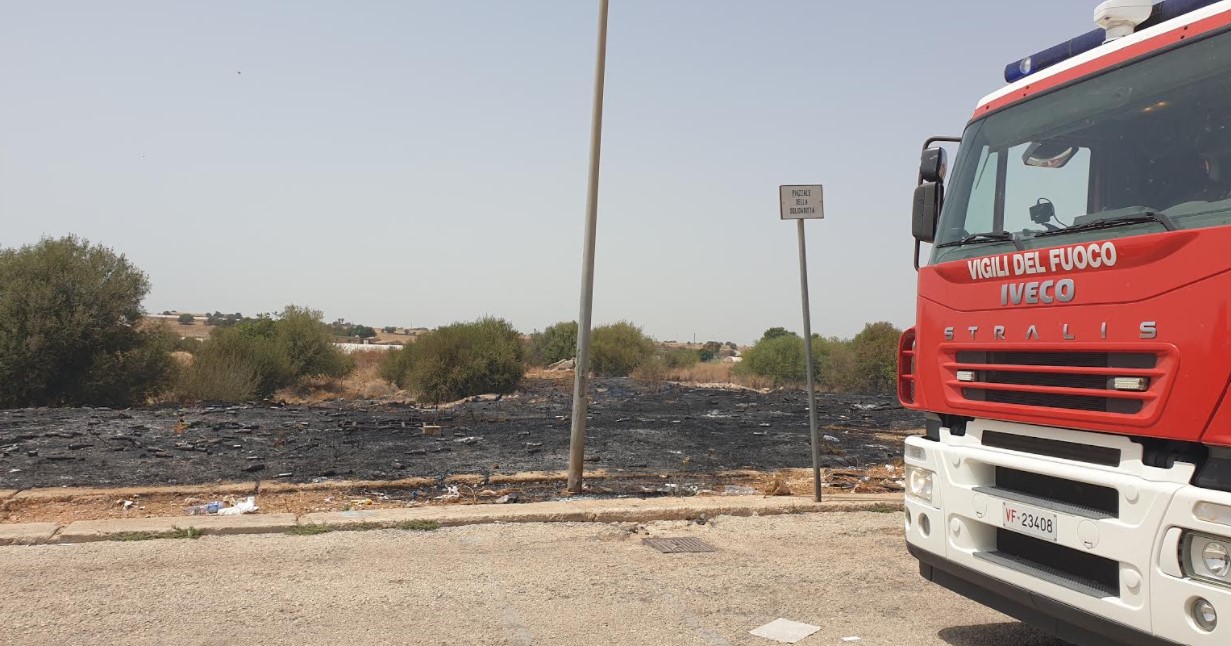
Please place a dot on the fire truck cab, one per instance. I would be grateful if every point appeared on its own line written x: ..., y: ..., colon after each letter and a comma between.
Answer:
x: 1072, y: 346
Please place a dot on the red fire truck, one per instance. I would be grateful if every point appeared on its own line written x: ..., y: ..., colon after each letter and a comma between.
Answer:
x: 1072, y: 347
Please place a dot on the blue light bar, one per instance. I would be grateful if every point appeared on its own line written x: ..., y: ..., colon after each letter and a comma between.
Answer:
x: 1019, y: 70
x: 1163, y: 11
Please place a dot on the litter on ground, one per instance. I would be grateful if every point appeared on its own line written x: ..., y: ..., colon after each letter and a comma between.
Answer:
x: 247, y: 506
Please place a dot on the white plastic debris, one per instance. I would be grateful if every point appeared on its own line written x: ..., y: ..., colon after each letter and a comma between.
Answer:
x: 452, y: 494
x: 738, y: 490
x: 785, y: 631
x: 246, y: 507
x: 850, y: 639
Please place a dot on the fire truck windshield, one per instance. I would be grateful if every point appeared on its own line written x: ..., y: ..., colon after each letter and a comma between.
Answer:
x: 1144, y: 148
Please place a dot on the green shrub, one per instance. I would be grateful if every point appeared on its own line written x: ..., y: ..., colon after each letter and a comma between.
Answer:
x: 653, y: 370
x: 220, y: 376
x: 676, y: 358
x: 556, y: 343
x: 616, y: 350
x: 875, y: 357
x: 710, y: 351
x: 866, y: 364
x: 187, y: 344
x: 308, y: 345
x: 235, y: 357
x: 255, y: 357
x: 69, y: 335
x: 395, y: 365
x: 459, y: 360
x: 660, y: 366
x: 779, y: 358
x: 185, y: 319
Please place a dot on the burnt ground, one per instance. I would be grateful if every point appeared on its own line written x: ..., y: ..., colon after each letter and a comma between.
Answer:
x: 634, y: 428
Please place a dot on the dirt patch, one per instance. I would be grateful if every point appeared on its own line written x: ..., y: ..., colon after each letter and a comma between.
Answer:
x: 65, y: 505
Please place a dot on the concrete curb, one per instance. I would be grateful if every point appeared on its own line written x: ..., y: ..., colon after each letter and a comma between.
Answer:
x: 27, y: 533
x: 628, y: 510
x: 85, y: 531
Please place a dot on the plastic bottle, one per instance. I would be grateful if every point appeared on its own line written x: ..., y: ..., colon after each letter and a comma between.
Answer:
x: 208, y: 508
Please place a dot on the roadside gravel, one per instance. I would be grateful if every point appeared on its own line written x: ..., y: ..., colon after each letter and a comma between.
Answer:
x: 566, y: 584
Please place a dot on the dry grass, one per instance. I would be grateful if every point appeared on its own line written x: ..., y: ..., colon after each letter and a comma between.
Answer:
x: 716, y: 373
x: 704, y: 374
x: 364, y: 382
x: 549, y: 375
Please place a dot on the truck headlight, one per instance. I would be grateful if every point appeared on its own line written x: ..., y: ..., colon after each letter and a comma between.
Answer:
x: 1216, y: 558
x: 1208, y: 558
x: 919, y: 484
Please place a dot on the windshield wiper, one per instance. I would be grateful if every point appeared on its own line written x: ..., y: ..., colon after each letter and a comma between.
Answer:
x: 1109, y: 223
x: 975, y: 238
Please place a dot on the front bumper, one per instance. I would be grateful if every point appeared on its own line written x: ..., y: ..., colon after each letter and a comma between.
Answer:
x: 1057, y: 619
x: 1148, y: 598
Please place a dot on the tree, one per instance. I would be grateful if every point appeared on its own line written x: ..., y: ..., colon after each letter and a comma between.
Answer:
x: 458, y: 361
x: 308, y: 345
x: 363, y: 331
x: 875, y: 356
x: 69, y: 335
x: 775, y: 332
x: 556, y: 343
x: 616, y: 350
x: 185, y: 319
x: 778, y: 357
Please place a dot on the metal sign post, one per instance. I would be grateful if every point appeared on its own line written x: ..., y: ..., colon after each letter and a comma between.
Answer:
x: 801, y: 203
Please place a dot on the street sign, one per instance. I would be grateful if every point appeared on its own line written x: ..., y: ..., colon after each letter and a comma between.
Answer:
x: 802, y: 202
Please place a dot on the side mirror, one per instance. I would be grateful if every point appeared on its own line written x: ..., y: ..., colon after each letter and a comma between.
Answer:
x: 933, y: 165
x: 1044, y: 154
x: 928, y: 198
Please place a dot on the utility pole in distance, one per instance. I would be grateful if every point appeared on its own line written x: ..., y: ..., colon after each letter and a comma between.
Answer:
x: 801, y: 203
x: 577, y: 439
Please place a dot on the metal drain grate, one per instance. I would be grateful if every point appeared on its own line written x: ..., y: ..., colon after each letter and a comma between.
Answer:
x: 678, y: 545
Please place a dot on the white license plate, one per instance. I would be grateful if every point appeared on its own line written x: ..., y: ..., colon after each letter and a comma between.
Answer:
x: 1030, y: 521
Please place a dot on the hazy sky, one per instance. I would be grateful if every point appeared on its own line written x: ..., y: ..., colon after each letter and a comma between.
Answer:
x: 422, y: 162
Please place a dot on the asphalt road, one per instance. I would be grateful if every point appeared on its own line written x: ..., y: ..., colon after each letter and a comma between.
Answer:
x: 566, y: 584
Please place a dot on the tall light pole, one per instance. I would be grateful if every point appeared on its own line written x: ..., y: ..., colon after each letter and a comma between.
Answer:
x: 577, y: 441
